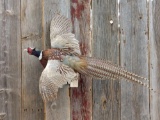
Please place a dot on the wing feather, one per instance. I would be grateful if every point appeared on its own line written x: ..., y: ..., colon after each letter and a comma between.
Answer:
x: 60, y: 25
x: 66, y: 41
x: 61, y: 36
x: 53, y: 77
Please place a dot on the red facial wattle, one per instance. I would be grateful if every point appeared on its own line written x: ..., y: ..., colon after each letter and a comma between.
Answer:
x: 29, y: 50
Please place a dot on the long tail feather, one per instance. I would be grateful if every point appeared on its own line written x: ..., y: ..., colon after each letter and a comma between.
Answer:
x: 101, y: 69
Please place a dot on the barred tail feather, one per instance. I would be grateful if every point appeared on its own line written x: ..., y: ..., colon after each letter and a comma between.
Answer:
x: 110, y: 67
x: 101, y: 69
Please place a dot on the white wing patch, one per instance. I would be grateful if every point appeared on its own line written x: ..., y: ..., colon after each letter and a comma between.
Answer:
x: 53, y: 77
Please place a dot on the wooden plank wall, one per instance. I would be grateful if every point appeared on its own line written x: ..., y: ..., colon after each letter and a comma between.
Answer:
x: 134, y: 56
x: 106, y: 94
x: 10, y: 60
x: 31, y: 34
x: 81, y: 97
x: 154, y: 37
x: 135, y: 45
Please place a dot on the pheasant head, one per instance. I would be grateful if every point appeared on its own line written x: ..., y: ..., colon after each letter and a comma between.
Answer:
x: 38, y: 54
x: 33, y: 51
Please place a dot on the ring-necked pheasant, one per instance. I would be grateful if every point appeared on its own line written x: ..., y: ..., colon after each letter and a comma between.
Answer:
x: 63, y: 62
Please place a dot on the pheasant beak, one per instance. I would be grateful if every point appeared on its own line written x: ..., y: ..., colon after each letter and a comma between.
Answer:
x: 25, y: 50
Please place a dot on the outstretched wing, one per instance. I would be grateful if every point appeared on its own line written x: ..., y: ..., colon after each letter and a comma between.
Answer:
x: 53, y: 77
x: 61, y: 36
x: 60, y: 25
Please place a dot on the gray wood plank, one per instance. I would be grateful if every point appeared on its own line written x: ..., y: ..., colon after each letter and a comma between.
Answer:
x: 134, y: 56
x: 81, y: 97
x: 106, y: 94
x: 60, y: 111
x: 31, y: 18
x: 32, y: 104
x: 10, y: 62
x: 31, y: 27
x: 50, y: 7
x: 154, y: 37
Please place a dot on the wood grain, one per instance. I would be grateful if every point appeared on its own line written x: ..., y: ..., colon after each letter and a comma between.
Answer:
x: 10, y: 62
x: 50, y: 7
x: 154, y: 37
x: 31, y: 27
x: 81, y: 97
x: 134, y: 56
x: 26, y: 23
x: 106, y: 94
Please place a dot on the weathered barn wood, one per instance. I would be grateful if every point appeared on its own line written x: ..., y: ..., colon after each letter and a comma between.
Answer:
x: 134, y: 56
x: 134, y: 45
x: 10, y: 60
x: 154, y: 37
x: 81, y: 97
x: 106, y: 94
x: 50, y: 7
x: 31, y: 33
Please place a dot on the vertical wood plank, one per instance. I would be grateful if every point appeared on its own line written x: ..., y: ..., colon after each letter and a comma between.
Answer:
x: 134, y: 56
x: 106, y: 94
x: 10, y: 62
x: 154, y: 37
x: 31, y: 27
x: 81, y: 97
x: 50, y: 7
